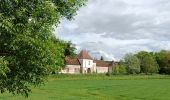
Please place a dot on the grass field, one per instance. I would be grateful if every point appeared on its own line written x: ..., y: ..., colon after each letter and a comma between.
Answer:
x: 100, y: 88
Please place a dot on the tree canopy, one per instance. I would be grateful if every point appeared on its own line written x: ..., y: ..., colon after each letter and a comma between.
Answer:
x: 132, y: 63
x: 28, y: 48
x: 69, y: 49
x: 148, y: 62
x: 119, y: 68
x: 163, y: 59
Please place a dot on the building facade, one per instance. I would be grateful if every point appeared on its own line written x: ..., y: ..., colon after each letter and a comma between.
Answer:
x: 84, y: 63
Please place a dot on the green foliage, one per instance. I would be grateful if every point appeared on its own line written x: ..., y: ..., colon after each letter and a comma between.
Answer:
x: 3, y: 67
x: 119, y: 69
x: 69, y: 49
x: 62, y: 49
x: 141, y: 56
x: 132, y: 63
x: 163, y: 59
x: 160, y: 55
x: 27, y: 42
x: 147, y: 62
x: 164, y: 64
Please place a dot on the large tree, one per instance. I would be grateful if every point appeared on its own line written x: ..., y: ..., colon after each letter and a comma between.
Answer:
x: 163, y: 59
x: 132, y: 63
x: 141, y: 56
x: 28, y: 49
x: 148, y: 62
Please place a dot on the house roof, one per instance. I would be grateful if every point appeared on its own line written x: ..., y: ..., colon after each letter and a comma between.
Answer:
x: 71, y: 61
x: 100, y: 63
x: 84, y: 55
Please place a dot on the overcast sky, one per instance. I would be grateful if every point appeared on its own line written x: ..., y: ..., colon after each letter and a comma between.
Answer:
x: 112, y: 28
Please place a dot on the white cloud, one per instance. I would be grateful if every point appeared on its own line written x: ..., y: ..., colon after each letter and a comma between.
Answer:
x: 116, y: 27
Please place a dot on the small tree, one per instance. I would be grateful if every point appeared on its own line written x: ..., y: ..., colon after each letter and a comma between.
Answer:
x: 132, y: 63
x: 119, y: 68
x: 102, y: 58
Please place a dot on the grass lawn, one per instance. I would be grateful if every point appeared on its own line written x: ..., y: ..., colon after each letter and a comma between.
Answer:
x: 103, y: 88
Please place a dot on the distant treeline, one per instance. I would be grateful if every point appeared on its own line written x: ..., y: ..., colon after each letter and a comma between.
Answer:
x: 144, y: 62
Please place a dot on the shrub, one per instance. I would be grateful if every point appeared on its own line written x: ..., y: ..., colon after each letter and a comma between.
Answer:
x: 119, y: 69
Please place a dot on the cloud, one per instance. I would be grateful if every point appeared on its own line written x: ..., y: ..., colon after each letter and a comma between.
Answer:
x: 116, y: 27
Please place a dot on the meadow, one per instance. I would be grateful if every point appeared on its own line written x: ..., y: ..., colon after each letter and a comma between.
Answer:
x: 100, y: 87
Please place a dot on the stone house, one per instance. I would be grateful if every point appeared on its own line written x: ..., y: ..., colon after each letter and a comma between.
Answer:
x: 84, y: 63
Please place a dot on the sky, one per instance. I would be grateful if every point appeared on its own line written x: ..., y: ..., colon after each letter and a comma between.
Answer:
x: 112, y: 28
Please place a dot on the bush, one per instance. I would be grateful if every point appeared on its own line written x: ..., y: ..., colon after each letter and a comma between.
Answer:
x: 119, y: 69
x: 164, y: 70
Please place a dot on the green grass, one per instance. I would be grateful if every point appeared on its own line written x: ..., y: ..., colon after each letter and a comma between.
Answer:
x: 100, y: 87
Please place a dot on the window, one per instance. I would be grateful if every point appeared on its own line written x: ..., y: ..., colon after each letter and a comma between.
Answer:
x: 89, y: 62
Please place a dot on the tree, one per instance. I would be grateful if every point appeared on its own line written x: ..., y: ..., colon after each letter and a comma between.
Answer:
x: 132, y: 63
x: 163, y: 60
x: 119, y: 68
x: 69, y: 49
x: 65, y: 49
x: 102, y: 58
x: 141, y: 56
x: 148, y: 62
x: 27, y: 46
x: 161, y: 54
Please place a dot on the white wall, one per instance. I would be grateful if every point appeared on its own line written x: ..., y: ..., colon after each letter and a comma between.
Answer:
x: 102, y: 69
x: 86, y: 63
x: 94, y: 67
x: 71, y: 69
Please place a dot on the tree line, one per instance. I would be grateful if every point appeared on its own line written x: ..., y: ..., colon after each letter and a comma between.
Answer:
x: 144, y: 62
